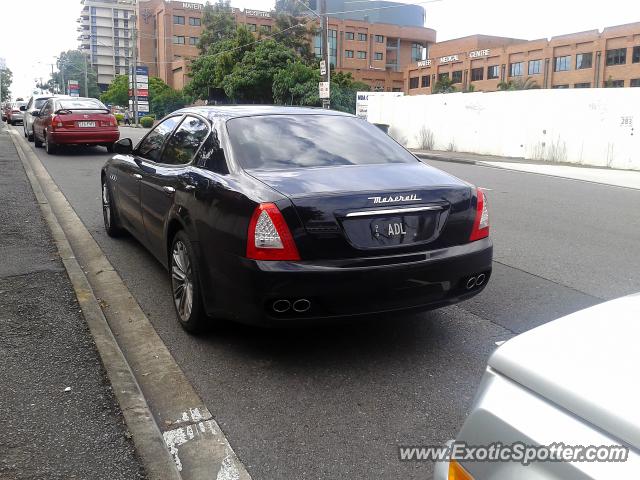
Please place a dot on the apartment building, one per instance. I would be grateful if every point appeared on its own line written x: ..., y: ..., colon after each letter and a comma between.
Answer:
x: 106, y: 34
x: 610, y: 58
x: 376, y: 53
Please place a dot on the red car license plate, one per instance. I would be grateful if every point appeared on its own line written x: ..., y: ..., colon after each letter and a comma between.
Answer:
x: 86, y: 124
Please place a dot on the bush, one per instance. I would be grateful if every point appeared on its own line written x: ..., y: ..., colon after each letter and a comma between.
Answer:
x: 146, y: 122
x: 425, y: 139
x: 119, y: 118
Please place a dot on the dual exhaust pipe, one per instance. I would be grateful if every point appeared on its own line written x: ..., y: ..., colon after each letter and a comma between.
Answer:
x: 301, y: 305
x: 476, y: 281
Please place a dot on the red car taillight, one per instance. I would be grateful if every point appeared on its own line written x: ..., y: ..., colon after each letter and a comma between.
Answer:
x: 269, y: 237
x: 15, y: 111
x: 481, y: 221
x: 112, y: 122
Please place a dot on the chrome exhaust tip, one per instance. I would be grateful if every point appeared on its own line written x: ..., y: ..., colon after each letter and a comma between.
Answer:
x: 302, y: 305
x: 471, y: 283
x: 281, y: 306
x: 480, y: 279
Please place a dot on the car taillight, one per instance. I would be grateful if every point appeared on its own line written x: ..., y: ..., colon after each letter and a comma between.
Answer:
x: 456, y: 472
x: 55, y: 122
x: 15, y: 111
x: 112, y: 122
x: 269, y: 237
x: 481, y: 221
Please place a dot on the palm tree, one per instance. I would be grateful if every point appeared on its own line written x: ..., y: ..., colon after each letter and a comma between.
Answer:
x: 443, y: 85
x: 519, y: 84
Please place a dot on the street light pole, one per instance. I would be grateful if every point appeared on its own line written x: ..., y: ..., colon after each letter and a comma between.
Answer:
x: 86, y: 81
x: 134, y: 67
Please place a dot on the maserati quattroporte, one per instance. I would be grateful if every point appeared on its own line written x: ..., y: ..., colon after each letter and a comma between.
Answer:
x: 271, y: 215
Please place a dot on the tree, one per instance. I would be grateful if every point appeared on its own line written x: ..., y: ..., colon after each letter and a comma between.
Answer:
x: 6, y: 77
x: 443, y: 85
x: 71, y: 66
x: 292, y: 30
x: 252, y: 79
x: 218, y: 23
x: 167, y: 101
x: 118, y: 91
x: 163, y: 99
x: 518, y: 84
x: 343, y: 91
x: 296, y: 84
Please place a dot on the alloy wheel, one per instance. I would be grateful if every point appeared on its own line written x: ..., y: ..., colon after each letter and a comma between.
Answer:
x: 182, y: 280
x: 106, y: 205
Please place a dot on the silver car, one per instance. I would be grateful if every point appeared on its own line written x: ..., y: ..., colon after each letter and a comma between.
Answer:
x: 14, y: 114
x: 34, y: 104
x: 567, y: 393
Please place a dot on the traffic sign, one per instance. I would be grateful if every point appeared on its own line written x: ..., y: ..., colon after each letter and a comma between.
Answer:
x: 323, y: 67
x: 323, y: 88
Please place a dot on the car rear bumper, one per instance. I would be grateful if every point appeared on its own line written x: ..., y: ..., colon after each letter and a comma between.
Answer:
x: 85, y: 137
x: 15, y: 117
x: 245, y: 290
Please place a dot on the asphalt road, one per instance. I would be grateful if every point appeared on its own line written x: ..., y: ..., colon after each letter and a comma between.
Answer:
x: 337, y: 401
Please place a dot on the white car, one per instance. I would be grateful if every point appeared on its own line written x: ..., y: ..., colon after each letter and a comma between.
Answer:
x: 34, y: 104
x: 571, y: 387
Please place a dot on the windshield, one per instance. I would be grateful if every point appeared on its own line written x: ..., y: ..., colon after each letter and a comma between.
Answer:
x: 274, y: 142
x: 84, y: 104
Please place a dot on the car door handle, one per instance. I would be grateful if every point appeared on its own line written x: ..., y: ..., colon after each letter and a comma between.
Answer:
x: 137, y: 176
x: 169, y: 190
x: 188, y: 187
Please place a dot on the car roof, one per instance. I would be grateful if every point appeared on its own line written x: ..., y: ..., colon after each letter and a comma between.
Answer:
x: 227, y: 112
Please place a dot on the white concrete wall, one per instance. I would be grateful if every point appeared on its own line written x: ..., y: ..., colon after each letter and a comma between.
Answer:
x: 598, y: 126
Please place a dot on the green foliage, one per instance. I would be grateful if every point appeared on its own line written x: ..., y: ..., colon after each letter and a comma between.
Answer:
x: 296, y: 84
x: 71, y: 66
x: 119, y: 117
x: 118, y: 92
x: 443, y: 85
x: 251, y: 80
x: 6, y: 77
x: 519, y: 84
x: 146, y: 122
x: 343, y: 91
x: 218, y: 23
x: 167, y: 101
x: 293, y: 31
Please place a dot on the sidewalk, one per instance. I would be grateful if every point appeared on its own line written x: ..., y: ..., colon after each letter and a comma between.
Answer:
x: 606, y: 176
x: 60, y: 417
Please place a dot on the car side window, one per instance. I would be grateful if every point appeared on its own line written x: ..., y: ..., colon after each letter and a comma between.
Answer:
x: 184, y: 143
x: 151, y: 146
x: 30, y: 103
x: 46, y: 110
x: 211, y: 156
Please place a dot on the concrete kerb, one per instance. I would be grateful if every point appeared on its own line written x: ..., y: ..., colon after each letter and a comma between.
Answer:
x: 180, y: 439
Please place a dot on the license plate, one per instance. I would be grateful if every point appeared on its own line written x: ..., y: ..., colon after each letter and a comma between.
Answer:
x: 394, y: 231
x: 86, y: 124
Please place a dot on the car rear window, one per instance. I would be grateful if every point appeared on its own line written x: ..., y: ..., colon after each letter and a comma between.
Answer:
x: 274, y: 142
x: 88, y: 104
x: 40, y: 102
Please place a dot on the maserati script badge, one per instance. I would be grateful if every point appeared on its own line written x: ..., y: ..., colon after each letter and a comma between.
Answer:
x: 395, y: 198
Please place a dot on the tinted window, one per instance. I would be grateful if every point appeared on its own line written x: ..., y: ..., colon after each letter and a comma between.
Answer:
x: 211, y: 156
x: 298, y: 141
x: 151, y: 146
x: 40, y: 102
x: 184, y: 143
x: 84, y: 104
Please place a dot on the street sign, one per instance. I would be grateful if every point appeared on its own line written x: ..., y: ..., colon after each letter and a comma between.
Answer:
x: 142, y: 92
x: 73, y: 86
x: 323, y: 67
x: 323, y: 88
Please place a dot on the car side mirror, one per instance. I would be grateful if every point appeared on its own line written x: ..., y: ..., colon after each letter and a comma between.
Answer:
x: 123, y: 146
x: 23, y: 108
x: 36, y: 113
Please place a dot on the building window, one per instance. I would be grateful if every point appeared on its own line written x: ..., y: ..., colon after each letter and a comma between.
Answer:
x: 582, y: 85
x: 361, y: 54
x: 562, y: 64
x: 252, y: 27
x: 535, y: 67
x: 515, y: 69
x: 178, y: 20
x: 456, y: 77
x: 265, y: 28
x: 414, y: 82
x: 194, y: 22
x: 94, y: 49
x: 193, y: 40
x: 443, y: 76
x: 426, y: 81
x: 635, y: 57
x: 379, y: 38
x: 93, y: 20
x: 94, y: 30
x: 117, y: 41
x: 127, y: 53
x: 584, y: 60
x: 178, y: 40
x: 126, y: 13
x: 333, y: 47
x: 348, y: 53
x: 362, y: 37
x: 477, y: 74
x: 115, y: 13
x: 349, y: 35
x: 126, y: 24
x: 116, y: 22
x: 416, y: 52
x: 635, y: 82
x: 378, y: 56
x: 558, y: 87
x: 614, y: 84
x: 116, y: 51
x: 617, y: 56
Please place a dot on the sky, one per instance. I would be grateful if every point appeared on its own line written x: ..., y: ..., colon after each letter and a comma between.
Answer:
x: 53, y: 23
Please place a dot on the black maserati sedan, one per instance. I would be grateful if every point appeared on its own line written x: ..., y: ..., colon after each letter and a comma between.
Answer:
x: 269, y: 215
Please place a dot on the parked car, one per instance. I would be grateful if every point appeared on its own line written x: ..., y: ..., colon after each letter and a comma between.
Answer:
x: 573, y: 382
x: 13, y: 112
x: 269, y: 215
x: 74, y: 121
x: 34, y: 104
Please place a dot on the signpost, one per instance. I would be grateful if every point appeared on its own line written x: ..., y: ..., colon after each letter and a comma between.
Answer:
x: 74, y: 88
x: 139, y: 94
x: 324, y: 90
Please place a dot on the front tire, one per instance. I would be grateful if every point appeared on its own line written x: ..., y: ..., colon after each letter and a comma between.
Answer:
x: 110, y: 212
x: 36, y: 141
x: 49, y: 146
x: 185, y: 286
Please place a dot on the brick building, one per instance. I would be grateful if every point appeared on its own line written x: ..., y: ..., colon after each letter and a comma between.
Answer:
x: 375, y: 53
x: 610, y: 58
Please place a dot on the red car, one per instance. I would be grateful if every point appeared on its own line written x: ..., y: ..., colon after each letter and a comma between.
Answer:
x: 74, y: 121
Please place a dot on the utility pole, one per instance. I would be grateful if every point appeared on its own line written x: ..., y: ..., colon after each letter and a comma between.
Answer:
x: 86, y: 81
x: 134, y: 66
x: 64, y: 87
x: 326, y: 102
x: 53, y: 81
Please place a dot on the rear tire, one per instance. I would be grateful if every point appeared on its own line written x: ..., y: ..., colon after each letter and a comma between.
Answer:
x: 36, y: 141
x: 185, y: 285
x: 109, y: 212
x: 49, y: 146
x: 109, y: 147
